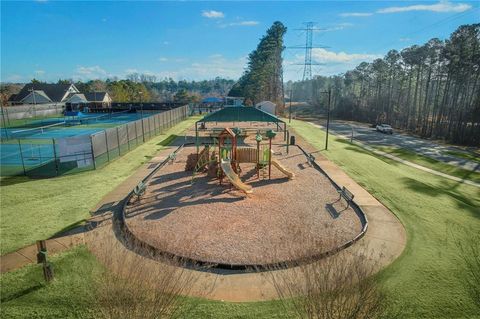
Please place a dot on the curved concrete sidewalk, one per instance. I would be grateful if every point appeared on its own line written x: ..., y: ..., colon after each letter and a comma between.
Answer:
x: 385, y: 237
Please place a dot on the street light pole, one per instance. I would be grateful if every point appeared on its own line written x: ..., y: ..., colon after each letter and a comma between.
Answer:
x: 328, y: 117
x: 290, y: 107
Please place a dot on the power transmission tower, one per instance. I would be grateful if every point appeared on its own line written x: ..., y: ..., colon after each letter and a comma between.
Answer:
x: 307, y: 70
x: 307, y: 65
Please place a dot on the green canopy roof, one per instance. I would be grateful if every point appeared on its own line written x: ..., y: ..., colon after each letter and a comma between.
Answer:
x: 240, y: 114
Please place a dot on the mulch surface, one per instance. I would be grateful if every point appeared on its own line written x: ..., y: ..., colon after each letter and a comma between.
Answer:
x: 282, y: 220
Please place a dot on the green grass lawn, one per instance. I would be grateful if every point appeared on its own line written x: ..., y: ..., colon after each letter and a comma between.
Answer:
x: 431, y: 163
x: 72, y: 293
x: 425, y: 282
x: 37, y: 209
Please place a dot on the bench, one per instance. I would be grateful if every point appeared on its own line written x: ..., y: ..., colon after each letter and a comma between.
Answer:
x: 310, y: 159
x: 139, y: 190
x: 346, y: 194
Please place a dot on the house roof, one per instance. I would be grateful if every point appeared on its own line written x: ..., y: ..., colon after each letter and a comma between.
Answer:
x: 240, y: 114
x: 55, y: 92
x: 77, y: 96
x: 95, y: 96
x: 38, y: 96
x: 265, y: 103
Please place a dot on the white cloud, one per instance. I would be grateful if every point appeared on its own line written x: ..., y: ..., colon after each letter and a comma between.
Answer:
x: 404, y: 39
x: 90, y: 72
x: 163, y: 59
x: 248, y: 23
x: 212, y: 14
x: 330, y: 63
x: 338, y: 27
x: 166, y: 43
x: 323, y: 55
x: 207, y: 68
x: 40, y: 72
x: 356, y: 14
x: 442, y: 6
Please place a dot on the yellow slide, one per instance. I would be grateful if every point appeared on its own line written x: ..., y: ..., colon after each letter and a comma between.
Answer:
x: 234, y: 179
x: 282, y: 169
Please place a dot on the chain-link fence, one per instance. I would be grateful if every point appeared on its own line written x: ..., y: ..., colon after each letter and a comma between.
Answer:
x: 60, y: 156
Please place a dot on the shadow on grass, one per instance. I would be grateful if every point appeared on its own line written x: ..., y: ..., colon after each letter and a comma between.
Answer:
x: 21, y: 293
x: 464, y: 202
x: 13, y: 180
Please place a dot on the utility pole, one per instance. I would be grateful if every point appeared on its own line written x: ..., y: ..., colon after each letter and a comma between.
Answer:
x: 307, y: 65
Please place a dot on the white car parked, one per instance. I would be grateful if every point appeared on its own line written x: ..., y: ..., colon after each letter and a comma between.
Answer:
x: 385, y: 128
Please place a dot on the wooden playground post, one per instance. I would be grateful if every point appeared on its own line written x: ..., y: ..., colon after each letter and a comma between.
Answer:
x: 270, y: 134
x: 269, y: 158
x: 258, y: 138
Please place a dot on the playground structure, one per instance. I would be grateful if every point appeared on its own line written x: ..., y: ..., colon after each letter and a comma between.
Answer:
x: 227, y: 160
x: 230, y: 156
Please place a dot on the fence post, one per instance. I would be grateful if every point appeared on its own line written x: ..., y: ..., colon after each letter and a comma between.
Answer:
x: 118, y: 143
x: 55, y: 157
x: 93, y: 154
x: 106, y: 145
x: 143, y: 131
x: 128, y: 138
x: 136, y: 134
x: 21, y: 156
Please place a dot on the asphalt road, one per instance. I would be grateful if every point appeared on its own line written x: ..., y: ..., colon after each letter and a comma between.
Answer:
x: 428, y: 148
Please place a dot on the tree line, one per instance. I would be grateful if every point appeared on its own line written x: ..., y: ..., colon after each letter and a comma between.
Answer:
x: 152, y: 90
x: 432, y: 89
x: 263, y: 78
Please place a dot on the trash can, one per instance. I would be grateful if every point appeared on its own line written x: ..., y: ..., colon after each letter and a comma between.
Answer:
x: 292, y: 140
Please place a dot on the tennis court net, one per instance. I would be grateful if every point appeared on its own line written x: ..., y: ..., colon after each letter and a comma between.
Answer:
x: 29, y: 132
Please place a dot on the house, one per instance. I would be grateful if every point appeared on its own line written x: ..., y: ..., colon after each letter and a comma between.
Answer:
x: 42, y: 93
x: 234, y: 101
x: 99, y: 99
x: 267, y: 106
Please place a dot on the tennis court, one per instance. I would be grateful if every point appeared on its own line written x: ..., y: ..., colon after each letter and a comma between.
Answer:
x: 63, y: 145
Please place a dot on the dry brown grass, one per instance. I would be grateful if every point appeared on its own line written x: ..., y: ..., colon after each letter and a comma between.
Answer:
x: 133, y: 286
x: 336, y: 287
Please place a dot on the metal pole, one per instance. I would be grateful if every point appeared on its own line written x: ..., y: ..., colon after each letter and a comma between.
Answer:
x: 4, y: 122
x: 55, y: 157
x: 93, y: 155
x: 106, y: 145
x: 288, y: 142
x: 290, y: 107
x: 128, y: 138
x: 21, y: 156
x: 118, y: 143
x: 328, y: 117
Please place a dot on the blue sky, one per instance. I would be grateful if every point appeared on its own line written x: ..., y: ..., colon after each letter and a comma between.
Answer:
x: 200, y: 40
